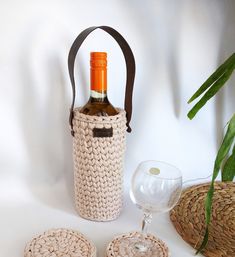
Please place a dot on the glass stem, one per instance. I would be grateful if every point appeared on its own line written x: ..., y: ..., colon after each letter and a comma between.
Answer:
x: 145, y: 223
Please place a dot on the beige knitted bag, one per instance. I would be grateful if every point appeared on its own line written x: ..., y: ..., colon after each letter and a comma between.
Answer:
x: 99, y: 144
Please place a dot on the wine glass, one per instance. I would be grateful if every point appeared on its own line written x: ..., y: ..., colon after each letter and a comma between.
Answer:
x: 155, y: 188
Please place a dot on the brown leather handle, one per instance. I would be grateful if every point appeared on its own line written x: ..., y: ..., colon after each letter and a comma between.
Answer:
x: 130, y: 69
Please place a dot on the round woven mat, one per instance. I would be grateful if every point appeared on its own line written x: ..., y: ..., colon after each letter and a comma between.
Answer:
x: 60, y: 242
x: 120, y: 246
x: 188, y: 217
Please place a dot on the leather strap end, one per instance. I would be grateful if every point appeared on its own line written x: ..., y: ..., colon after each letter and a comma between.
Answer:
x: 71, y: 115
x: 128, y: 128
x: 72, y: 132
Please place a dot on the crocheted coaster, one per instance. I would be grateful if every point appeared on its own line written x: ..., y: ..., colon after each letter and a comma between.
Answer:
x: 120, y: 246
x: 188, y: 217
x: 60, y: 242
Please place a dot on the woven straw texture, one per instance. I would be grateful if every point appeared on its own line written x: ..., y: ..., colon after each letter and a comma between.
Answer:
x: 98, y: 166
x: 188, y: 218
x: 120, y: 247
x: 60, y: 243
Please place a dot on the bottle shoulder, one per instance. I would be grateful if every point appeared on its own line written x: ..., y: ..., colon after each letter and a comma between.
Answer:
x: 99, y: 108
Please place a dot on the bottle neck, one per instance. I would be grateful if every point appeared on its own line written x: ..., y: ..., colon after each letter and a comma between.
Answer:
x: 96, y: 96
x: 98, y: 84
x: 98, y: 76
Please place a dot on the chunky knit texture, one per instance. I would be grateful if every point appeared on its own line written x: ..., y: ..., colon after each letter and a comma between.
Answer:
x: 60, y: 243
x: 120, y: 246
x: 98, y: 166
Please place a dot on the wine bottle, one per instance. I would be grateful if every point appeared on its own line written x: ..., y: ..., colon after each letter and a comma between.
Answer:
x: 98, y: 103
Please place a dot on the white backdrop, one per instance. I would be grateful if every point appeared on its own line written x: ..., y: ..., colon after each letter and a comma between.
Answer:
x: 177, y: 45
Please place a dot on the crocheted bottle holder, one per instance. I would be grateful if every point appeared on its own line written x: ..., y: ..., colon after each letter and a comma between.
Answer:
x: 99, y: 143
x: 98, y: 165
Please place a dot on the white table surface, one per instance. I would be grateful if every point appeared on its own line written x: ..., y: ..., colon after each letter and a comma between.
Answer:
x: 26, y: 211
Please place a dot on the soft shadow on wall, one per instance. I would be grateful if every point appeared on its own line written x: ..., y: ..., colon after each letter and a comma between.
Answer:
x: 225, y: 103
x: 45, y: 127
x: 158, y: 29
x: 156, y: 26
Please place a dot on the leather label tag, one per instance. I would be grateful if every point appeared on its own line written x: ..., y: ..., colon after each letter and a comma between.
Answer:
x: 102, y: 132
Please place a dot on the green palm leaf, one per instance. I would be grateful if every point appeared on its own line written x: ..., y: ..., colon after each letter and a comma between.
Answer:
x: 217, y: 74
x: 214, y: 83
x: 211, y: 86
x: 228, y: 171
x: 222, y: 153
x: 211, y: 91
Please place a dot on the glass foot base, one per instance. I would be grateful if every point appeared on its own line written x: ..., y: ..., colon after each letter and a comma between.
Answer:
x: 138, y: 246
x: 130, y: 245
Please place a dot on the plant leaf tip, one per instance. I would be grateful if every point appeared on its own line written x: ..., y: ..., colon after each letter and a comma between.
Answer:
x: 190, y: 116
x: 192, y: 98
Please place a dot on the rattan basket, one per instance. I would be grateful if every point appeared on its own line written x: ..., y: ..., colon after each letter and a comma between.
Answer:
x: 188, y: 217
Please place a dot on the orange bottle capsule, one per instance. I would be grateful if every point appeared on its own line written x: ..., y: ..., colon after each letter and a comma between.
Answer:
x: 98, y: 103
x: 98, y: 71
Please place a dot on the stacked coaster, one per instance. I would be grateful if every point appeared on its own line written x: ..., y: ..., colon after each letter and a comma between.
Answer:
x: 60, y: 242
x: 120, y: 247
x: 188, y: 217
